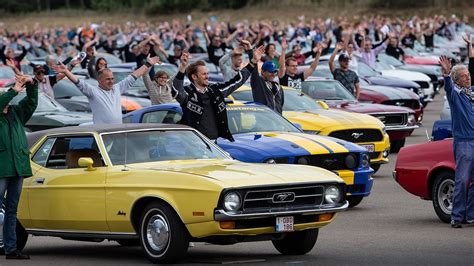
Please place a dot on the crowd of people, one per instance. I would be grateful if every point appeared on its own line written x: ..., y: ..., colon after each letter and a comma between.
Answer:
x: 266, y: 53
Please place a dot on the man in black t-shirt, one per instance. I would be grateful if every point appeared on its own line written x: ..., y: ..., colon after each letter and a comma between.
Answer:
x: 394, y: 49
x: 343, y: 74
x: 288, y: 68
x: 409, y: 39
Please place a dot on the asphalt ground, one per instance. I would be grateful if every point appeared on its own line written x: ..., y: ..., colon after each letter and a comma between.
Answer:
x: 390, y: 227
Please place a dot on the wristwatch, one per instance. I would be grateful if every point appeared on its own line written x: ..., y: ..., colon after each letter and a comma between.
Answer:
x: 147, y: 64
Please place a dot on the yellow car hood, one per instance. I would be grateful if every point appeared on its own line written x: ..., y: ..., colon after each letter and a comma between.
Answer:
x: 232, y: 173
x: 322, y: 119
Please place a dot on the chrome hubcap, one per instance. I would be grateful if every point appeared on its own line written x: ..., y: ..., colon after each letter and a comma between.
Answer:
x: 445, y: 195
x: 157, y: 233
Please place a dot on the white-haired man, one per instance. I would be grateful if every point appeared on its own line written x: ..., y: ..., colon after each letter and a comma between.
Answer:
x: 461, y: 101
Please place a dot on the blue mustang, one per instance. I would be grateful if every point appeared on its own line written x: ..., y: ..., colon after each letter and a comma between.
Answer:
x: 263, y: 136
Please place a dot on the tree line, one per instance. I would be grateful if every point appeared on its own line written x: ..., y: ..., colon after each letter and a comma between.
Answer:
x: 167, y: 6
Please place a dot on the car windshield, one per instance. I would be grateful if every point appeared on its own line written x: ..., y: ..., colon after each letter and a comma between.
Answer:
x: 158, y: 145
x: 390, y: 60
x: 66, y: 89
x: 6, y: 73
x: 366, y: 71
x: 322, y: 73
x: 326, y: 90
x: 245, y: 119
x: 297, y: 101
x: 45, y: 104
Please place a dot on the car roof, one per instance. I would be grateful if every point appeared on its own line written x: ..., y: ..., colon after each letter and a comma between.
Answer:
x: 103, y: 128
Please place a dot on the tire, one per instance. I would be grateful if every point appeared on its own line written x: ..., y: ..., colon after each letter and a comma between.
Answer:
x: 167, y: 245
x: 354, y: 200
x: 376, y: 167
x: 128, y: 242
x: 297, y: 243
x: 396, y: 145
x: 443, y: 188
x: 21, y: 234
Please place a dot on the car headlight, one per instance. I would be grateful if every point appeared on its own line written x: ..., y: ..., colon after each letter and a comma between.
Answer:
x: 332, y: 194
x: 421, y: 93
x: 303, y: 160
x: 271, y: 160
x: 232, y: 201
x: 365, y: 160
x: 411, y: 119
x: 350, y: 161
x: 312, y: 132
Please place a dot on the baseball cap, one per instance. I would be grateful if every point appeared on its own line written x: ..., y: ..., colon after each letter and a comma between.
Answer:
x: 38, y: 68
x: 269, y: 66
x: 343, y: 57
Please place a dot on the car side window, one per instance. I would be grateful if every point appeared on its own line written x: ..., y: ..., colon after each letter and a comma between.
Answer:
x: 42, y: 153
x: 164, y: 116
x: 66, y: 152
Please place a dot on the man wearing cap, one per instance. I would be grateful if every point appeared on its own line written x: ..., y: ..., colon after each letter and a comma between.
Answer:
x: 343, y: 74
x: 231, y: 63
x: 288, y: 68
x: 14, y: 154
x: 265, y: 89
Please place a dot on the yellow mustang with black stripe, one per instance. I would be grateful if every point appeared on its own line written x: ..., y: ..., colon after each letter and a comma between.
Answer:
x: 162, y: 186
x: 315, y: 118
x: 263, y: 136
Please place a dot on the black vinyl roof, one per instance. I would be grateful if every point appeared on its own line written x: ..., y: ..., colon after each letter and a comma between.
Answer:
x: 35, y: 136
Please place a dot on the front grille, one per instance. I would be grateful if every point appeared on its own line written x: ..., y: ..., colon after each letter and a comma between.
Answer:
x: 423, y: 84
x: 392, y: 119
x: 358, y: 135
x: 413, y: 104
x: 335, y: 161
x: 265, y: 199
x: 374, y: 155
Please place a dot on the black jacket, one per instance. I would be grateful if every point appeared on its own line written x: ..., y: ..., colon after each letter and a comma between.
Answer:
x: 190, y: 100
x: 273, y: 98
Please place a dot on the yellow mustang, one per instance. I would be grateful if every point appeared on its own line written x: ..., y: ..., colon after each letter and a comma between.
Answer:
x: 316, y: 118
x: 162, y: 186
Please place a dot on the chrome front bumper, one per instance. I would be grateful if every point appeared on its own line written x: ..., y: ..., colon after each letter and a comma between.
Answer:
x: 222, y: 215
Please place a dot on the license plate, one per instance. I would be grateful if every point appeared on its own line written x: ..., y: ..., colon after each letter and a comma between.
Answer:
x: 284, y: 224
x: 369, y: 147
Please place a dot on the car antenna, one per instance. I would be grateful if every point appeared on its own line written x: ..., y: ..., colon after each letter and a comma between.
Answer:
x: 427, y: 135
x: 125, y: 167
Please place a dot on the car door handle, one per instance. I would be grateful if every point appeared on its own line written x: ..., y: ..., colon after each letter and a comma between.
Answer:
x: 39, y: 180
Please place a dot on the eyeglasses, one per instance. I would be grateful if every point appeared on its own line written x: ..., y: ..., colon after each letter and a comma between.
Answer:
x: 164, y: 77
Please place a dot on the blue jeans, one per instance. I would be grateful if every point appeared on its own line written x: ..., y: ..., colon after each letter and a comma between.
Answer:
x: 11, y: 185
x: 463, y: 197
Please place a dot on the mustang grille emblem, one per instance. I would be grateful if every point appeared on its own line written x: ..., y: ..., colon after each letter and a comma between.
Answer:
x: 357, y: 135
x: 283, y: 197
x: 329, y: 162
x: 381, y: 118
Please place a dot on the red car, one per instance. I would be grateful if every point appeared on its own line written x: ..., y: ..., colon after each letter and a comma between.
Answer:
x: 399, y: 121
x: 427, y: 170
x: 391, y: 96
x: 421, y: 60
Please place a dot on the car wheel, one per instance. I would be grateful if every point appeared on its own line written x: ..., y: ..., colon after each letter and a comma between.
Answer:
x: 396, y: 145
x: 354, y: 200
x: 297, y: 243
x: 376, y: 167
x: 21, y: 234
x: 128, y: 242
x: 442, y: 195
x: 163, y: 237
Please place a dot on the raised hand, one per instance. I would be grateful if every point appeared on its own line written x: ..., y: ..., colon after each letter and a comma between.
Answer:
x: 467, y: 37
x: 247, y: 45
x: 10, y: 63
x: 184, y: 61
x: 318, y: 49
x: 59, y: 68
x: 284, y: 45
x: 339, y: 46
x: 257, y: 54
x: 154, y: 60
x: 445, y: 63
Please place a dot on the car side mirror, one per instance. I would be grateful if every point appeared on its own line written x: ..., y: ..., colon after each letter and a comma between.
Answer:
x: 323, y: 105
x: 86, y: 162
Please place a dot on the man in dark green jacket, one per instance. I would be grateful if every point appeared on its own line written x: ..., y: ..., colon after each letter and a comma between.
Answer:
x: 14, y: 156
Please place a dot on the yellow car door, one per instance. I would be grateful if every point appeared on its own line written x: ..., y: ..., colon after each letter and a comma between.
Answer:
x: 61, y: 194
